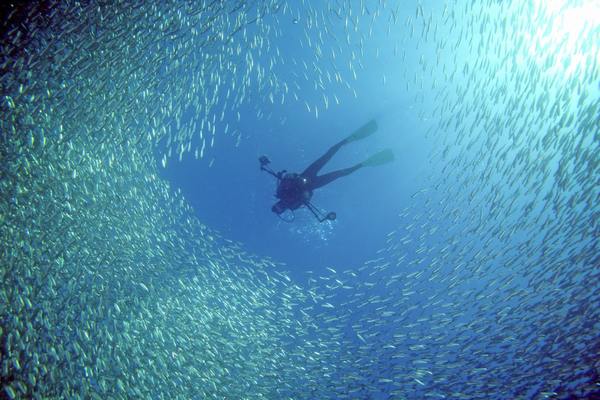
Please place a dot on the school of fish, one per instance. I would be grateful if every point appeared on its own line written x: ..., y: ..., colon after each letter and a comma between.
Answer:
x: 112, y: 288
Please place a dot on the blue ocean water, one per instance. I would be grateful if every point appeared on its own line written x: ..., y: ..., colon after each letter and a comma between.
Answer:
x: 374, y: 205
x: 141, y: 258
x: 231, y: 194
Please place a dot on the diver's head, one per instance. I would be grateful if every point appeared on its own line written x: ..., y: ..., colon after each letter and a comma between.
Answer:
x: 278, y: 208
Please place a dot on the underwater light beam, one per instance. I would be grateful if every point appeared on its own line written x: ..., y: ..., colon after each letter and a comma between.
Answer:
x: 565, y: 32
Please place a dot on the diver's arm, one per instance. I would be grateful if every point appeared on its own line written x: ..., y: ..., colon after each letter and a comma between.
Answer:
x: 264, y: 167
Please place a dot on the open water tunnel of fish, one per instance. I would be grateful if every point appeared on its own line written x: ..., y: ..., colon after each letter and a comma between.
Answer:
x: 140, y: 256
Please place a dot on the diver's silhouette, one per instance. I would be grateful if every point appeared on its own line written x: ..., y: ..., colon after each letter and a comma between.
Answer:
x: 295, y: 190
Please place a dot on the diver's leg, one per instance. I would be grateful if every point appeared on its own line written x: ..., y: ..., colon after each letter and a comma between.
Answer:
x: 323, y: 180
x: 311, y: 171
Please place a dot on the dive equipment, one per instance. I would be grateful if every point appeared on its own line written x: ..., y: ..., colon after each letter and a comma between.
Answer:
x: 281, y: 177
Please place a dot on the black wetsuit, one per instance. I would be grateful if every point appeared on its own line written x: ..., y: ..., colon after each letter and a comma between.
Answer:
x: 295, y: 190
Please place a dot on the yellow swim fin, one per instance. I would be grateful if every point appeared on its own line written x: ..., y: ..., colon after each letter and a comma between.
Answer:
x: 366, y: 130
x: 383, y: 157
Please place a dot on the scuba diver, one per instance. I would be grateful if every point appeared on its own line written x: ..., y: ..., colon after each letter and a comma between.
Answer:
x: 295, y: 190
